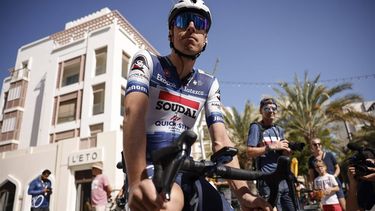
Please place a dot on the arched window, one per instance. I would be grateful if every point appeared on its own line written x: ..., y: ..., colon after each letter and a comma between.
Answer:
x: 7, y: 193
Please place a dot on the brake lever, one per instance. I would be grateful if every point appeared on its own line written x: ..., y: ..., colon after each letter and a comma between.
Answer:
x: 224, y: 155
x: 168, y: 161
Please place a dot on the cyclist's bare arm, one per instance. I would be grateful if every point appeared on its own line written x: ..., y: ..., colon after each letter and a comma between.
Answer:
x: 220, y: 139
x: 134, y: 142
x: 142, y: 192
x: 134, y: 146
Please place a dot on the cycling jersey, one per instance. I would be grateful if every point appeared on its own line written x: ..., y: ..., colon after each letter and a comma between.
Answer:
x: 174, y: 104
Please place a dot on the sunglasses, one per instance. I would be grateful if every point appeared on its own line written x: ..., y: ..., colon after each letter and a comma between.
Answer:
x: 317, y: 144
x: 182, y: 21
x: 269, y: 109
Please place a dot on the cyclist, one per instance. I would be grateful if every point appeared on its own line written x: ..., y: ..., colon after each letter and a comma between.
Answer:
x: 164, y: 96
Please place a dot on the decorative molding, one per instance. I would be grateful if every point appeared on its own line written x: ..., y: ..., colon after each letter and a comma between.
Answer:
x: 80, y: 29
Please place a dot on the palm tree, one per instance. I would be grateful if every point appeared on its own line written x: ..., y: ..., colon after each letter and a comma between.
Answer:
x: 308, y: 108
x: 238, y: 128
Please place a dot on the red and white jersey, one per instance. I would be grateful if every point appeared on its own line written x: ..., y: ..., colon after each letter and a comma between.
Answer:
x: 174, y: 104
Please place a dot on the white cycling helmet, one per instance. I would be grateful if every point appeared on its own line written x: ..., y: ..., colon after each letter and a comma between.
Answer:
x: 197, y: 6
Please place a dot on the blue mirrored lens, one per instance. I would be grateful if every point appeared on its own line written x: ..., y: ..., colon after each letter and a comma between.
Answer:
x: 182, y: 21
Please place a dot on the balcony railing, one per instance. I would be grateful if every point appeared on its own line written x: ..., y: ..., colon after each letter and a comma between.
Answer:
x: 18, y: 74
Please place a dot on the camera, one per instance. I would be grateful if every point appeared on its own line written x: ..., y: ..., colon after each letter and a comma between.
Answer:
x: 296, y: 146
x: 358, y: 160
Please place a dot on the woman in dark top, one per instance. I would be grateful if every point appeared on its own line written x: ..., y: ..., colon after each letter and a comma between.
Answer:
x: 332, y: 167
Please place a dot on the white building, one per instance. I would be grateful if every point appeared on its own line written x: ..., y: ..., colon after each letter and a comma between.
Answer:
x: 62, y: 109
x: 345, y: 130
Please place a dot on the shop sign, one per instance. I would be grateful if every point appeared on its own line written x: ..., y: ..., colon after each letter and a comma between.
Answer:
x: 85, y: 157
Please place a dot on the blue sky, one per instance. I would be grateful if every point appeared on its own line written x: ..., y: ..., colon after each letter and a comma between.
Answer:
x: 257, y: 42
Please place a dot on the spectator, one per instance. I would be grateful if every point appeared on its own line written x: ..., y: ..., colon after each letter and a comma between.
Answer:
x: 300, y: 185
x: 331, y: 164
x: 327, y: 185
x: 361, y: 191
x: 266, y: 143
x: 100, y: 189
x: 40, y: 190
x: 300, y: 190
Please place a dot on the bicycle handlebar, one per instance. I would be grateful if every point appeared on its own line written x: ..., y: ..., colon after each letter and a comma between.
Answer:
x: 170, y: 160
x: 212, y: 170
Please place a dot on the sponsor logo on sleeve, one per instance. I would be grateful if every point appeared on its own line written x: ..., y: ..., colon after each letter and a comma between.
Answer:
x: 217, y: 93
x: 139, y: 64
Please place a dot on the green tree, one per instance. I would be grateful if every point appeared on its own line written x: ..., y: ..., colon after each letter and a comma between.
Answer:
x: 238, y: 128
x: 308, y: 107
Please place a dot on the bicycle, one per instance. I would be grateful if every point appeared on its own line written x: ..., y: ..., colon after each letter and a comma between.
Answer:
x: 174, y: 159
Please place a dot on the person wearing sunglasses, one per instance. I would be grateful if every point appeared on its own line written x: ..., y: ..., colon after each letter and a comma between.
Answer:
x: 332, y: 167
x: 164, y: 96
x: 265, y: 144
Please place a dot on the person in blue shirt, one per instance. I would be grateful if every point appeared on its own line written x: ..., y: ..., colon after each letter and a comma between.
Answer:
x: 40, y: 190
x: 266, y: 143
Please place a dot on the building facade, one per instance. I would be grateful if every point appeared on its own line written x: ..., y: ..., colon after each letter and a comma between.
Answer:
x: 62, y: 110
x: 345, y: 130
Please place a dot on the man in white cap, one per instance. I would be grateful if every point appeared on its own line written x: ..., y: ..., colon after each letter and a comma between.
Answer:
x: 100, y: 188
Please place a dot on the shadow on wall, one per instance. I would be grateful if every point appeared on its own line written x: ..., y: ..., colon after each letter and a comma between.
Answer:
x: 37, y: 111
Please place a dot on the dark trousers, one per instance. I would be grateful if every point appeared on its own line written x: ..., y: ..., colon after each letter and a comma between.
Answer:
x: 284, y: 200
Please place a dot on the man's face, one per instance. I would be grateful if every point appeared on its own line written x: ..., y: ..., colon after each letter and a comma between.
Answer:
x: 188, y: 33
x: 44, y: 177
x: 316, y: 145
x: 268, y: 111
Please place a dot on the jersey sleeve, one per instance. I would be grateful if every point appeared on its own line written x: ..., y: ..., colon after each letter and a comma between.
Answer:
x: 253, y: 139
x: 213, y: 110
x: 140, y: 73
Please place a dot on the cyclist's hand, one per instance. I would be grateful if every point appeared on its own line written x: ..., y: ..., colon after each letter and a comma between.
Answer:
x: 253, y: 203
x: 143, y: 196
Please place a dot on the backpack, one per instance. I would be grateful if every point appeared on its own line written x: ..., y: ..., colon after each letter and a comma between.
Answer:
x: 255, y: 162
